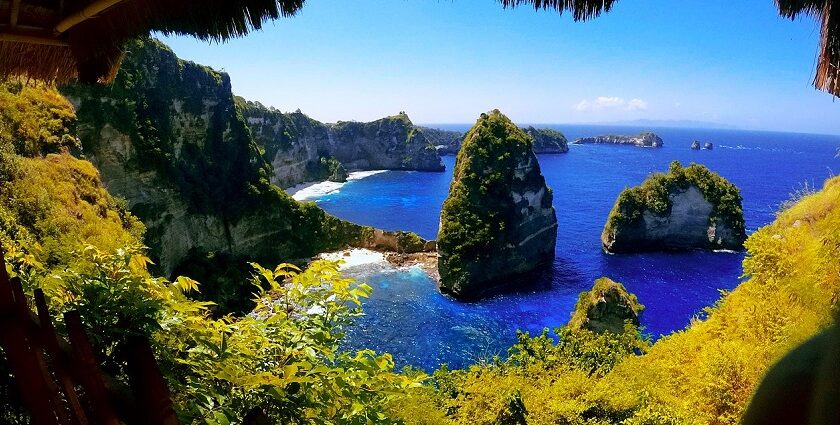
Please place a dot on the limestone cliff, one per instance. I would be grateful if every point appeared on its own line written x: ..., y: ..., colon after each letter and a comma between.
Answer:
x: 686, y: 208
x: 642, y: 140
x: 298, y: 147
x: 168, y: 138
x: 606, y: 308
x: 498, y: 220
x: 545, y: 141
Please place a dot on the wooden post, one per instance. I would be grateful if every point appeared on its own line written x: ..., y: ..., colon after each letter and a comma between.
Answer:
x: 89, y: 373
x: 147, y: 384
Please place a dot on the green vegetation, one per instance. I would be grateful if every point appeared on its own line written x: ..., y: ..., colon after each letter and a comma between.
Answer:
x: 652, y: 195
x: 65, y: 234
x: 35, y: 121
x: 484, y: 169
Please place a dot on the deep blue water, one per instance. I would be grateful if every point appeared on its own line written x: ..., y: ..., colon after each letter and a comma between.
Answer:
x: 407, y: 317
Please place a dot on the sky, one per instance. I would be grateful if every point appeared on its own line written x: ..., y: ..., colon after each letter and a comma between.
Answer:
x: 735, y: 63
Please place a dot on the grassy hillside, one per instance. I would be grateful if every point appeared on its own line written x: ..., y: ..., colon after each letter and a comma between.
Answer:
x: 703, y: 375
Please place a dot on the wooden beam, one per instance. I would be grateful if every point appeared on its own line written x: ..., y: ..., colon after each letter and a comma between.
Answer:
x: 88, y: 12
x: 15, y: 12
x: 33, y: 39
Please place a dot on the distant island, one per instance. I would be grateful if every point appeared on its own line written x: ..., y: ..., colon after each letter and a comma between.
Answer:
x: 546, y: 140
x: 643, y: 140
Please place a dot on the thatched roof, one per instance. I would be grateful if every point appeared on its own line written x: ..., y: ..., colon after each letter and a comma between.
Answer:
x: 64, y: 40
x: 827, y: 12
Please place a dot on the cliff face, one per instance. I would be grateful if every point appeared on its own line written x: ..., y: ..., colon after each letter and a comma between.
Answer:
x: 684, y: 209
x: 298, y: 147
x: 498, y: 220
x: 168, y: 138
x: 642, y: 140
x: 545, y: 141
x: 606, y: 308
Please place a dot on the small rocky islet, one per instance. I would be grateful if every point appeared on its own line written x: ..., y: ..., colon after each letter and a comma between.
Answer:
x: 685, y: 208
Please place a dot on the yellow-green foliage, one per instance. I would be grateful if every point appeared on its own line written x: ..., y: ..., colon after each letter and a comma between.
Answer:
x: 36, y: 119
x: 703, y: 375
x: 54, y: 205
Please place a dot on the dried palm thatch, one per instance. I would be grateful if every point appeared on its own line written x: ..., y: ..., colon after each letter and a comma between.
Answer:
x: 581, y: 10
x: 828, y: 58
x: 62, y: 40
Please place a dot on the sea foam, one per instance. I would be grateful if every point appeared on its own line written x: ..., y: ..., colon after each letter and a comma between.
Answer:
x: 314, y: 190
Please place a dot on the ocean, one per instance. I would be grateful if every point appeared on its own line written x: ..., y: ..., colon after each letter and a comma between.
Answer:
x: 407, y: 317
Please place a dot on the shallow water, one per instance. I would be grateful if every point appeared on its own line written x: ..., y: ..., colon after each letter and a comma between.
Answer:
x: 407, y: 317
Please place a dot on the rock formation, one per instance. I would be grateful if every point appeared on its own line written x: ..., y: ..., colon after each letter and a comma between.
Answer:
x: 167, y: 137
x: 689, y: 207
x: 546, y: 141
x: 606, y: 308
x: 708, y: 146
x: 297, y: 145
x: 695, y: 145
x: 498, y: 220
x: 642, y: 140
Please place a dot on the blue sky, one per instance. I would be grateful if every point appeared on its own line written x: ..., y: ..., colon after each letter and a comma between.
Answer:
x: 446, y: 61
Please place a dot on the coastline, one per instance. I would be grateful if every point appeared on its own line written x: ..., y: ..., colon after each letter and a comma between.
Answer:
x: 309, y: 191
x: 356, y: 258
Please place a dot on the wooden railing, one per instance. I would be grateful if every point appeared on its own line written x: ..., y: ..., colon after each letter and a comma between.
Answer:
x: 60, y: 381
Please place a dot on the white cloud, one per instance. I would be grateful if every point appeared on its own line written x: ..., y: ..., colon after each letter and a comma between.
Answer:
x: 612, y: 103
x: 637, y: 105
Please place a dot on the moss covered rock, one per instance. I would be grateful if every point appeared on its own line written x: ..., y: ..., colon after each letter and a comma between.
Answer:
x: 607, y: 307
x: 498, y: 220
x: 686, y: 208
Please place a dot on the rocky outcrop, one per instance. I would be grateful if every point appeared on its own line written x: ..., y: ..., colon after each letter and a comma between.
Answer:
x: 168, y: 138
x: 299, y: 147
x: 708, y: 146
x: 642, y: 140
x: 498, y: 220
x: 546, y: 141
x: 695, y: 145
x: 607, y: 307
x: 686, y: 208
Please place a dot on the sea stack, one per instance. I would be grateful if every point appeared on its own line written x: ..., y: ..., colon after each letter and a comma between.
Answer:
x: 708, y: 146
x: 498, y: 220
x: 606, y: 308
x: 686, y: 208
x: 695, y: 145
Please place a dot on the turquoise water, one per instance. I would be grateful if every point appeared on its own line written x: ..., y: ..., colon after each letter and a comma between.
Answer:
x: 407, y: 317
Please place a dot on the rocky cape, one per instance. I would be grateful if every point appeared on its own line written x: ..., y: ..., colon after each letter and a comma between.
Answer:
x: 498, y: 221
x: 546, y: 141
x: 169, y: 138
x: 686, y: 208
x: 642, y: 140
x: 301, y: 149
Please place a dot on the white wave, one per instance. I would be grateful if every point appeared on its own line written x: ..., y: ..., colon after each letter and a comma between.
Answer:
x: 314, y: 190
x: 354, y: 258
x: 726, y: 251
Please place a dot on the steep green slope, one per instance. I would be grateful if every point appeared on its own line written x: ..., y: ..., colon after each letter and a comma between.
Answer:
x: 167, y: 137
x: 705, y: 374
